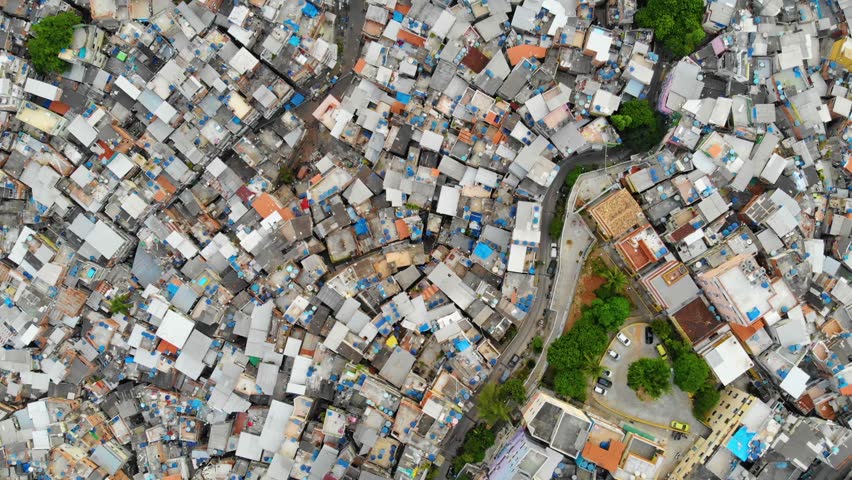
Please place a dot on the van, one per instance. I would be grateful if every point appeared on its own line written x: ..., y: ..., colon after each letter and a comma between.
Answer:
x: 662, y: 351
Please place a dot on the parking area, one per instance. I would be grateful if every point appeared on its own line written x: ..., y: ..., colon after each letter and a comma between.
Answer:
x: 674, y: 405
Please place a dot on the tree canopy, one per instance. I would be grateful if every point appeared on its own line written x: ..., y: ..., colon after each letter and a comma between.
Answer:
x: 537, y: 344
x: 50, y: 36
x: 676, y: 23
x: 476, y: 442
x: 649, y: 375
x: 513, y: 390
x: 571, y: 383
x: 492, y: 407
x: 575, y: 356
x: 640, y: 127
x: 609, y: 314
x: 704, y: 400
x: 119, y: 304
x: 690, y: 372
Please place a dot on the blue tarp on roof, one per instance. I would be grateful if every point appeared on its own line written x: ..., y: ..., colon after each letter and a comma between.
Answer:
x: 403, y: 97
x: 290, y: 23
x: 739, y: 443
x: 361, y: 227
x: 310, y: 10
x: 753, y: 313
x: 297, y: 99
x: 483, y: 251
x: 295, y: 41
x: 461, y: 345
x: 398, y: 16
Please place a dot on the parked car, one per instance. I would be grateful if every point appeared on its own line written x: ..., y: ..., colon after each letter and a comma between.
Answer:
x: 683, y: 427
x: 649, y: 335
x: 600, y: 390
x: 606, y: 373
x: 604, y: 382
x: 513, y: 361
x: 662, y: 351
x: 506, y: 374
x: 551, y: 269
x: 623, y: 339
x: 613, y: 354
x: 553, y: 250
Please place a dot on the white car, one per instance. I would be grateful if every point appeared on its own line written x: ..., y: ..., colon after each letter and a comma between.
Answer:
x: 600, y: 390
x: 553, y: 250
x: 613, y: 354
x: 623, y: 339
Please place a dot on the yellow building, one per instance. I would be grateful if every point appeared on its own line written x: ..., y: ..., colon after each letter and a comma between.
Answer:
x: 841, y: 52
x: 723, y: 422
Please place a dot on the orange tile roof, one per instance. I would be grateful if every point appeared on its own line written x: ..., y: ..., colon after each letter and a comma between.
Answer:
x: 166, y: 185
x: 743, y: 333
x: 167, y: 348
x: 516, y: 54
x: 397, y: 108
x: 402, y: 229
x: 359, y: 65
x: 265, y: 204
x: 607, y: 459
x: 411, y: 38
x: 401, y: 8
x: 846, y: 391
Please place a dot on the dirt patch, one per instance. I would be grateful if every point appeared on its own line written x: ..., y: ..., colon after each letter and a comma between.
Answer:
x: 585, y: 293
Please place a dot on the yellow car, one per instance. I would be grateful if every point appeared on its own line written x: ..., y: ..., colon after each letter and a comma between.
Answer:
x: 682, y: 427
x: 662, y: 351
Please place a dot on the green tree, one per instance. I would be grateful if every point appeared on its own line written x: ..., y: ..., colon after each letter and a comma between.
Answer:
x: 705, y: 400
x: 639, y: 126
x: 649, y: 375
x: 476, y: 442
x: 690, y: 372
x: 571, y: 383
x: 285, y: 175
x: 50, y: 36
x: 537, y: 344
x: 610, y: 314
x: 120, y: 304
x: 676, y: 23
x: 621, y: 122
x: 662, y: 329
x: 492, y: 408
x: 514, y: 390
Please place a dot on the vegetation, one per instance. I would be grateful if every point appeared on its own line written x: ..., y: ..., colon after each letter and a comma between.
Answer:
x: 491, y: 405
x: 120, y: 304
x: 50, y: 36
x: 639, y: 126
x: 615, y: 278
x: 690, y: 372
x: 704, y: 400
x: 477, y: 441
x: 610, y: 314
x: 559, y: 216
x: 575, y: 356
x: 537, y: 344
x: 649, y: 375
x: 513, y: 390
x: 571, y: 383
x: 285, y: 175
x: 676, y: 23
